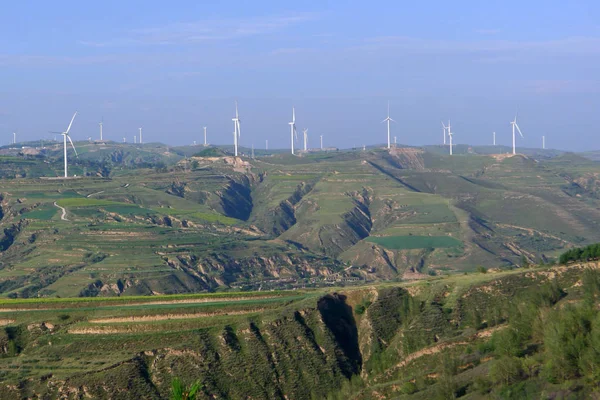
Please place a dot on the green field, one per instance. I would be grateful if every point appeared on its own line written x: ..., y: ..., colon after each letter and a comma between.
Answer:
x: 414, y: 242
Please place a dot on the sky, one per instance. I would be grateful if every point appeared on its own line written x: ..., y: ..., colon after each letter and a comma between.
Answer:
x: 174, y: 67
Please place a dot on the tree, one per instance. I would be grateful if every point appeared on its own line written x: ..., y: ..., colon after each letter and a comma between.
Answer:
x: 179, y: 391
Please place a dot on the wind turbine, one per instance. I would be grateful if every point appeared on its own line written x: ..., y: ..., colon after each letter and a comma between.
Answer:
x: 205, y: 144
x: 321, y: 142
x: 450, y: 134
x: 236, y: 130
x: 305, y: 132
x: 14, y: 137
x: 293, y: 132
x: 514, y: 125
x: 65, y: 136
x: 543, y: 142
x: 266, y: 144
x: 388, y: 120
x: 141, y: 141
x: 100, y: 124
x: 494, y: 137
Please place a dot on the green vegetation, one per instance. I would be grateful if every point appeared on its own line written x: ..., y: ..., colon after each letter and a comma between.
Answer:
x: 591, y: 252
x: 414, y: 242
x: 179, y: 391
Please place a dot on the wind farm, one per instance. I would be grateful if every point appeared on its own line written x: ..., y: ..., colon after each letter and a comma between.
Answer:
x: 343, y: 251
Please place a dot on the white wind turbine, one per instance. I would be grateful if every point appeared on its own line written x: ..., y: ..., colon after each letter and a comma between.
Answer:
x: 494, y: 138
x: 205, y: 137
x: 65, y: 137
x: 141, y: 141
x: 321, y: 142
x: 514, y: 125
x: 388, y: 120
x: 293, y: 132
x: 100, y: 124
x: 236, y: 130
x: 305, y: 133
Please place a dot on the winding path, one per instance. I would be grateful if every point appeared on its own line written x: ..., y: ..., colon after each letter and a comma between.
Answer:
x: 64, y: 212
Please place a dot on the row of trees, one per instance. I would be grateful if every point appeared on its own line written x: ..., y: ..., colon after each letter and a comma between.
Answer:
x: 591, y: 252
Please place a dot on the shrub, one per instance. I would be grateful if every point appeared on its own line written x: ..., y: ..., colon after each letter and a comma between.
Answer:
x: 408, y: 388
x: 506, y: 370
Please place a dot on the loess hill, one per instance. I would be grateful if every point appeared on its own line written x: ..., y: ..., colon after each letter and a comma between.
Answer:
x: 157, y: 220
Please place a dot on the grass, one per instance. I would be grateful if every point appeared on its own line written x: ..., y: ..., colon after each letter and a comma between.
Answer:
x: 90, y: 202
x: 44, y: 213
x: 414, y: 242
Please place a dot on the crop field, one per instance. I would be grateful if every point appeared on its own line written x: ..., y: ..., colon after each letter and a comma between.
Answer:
x: 148, y: 221
x: 414, y: 242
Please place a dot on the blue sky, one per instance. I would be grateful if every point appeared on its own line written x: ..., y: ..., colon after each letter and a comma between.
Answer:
x: 175, y: 68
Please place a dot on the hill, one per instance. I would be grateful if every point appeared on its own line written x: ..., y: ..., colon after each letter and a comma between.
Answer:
x: 514, y: 334
x: 185, y: 223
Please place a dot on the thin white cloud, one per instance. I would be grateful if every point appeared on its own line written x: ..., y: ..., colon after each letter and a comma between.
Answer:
x: 201, y: 31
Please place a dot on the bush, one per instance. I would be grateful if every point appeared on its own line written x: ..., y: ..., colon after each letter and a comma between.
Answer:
x: 359, y: 309
x: 481, y: 269
x: 408, y: 388
x: 506, y: 370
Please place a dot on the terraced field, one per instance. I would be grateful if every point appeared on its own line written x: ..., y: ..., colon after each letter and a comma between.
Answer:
x: 201, y: 223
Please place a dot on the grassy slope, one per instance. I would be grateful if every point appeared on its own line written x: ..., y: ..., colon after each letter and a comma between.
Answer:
x: 161, y: 228
x: 436, y: 334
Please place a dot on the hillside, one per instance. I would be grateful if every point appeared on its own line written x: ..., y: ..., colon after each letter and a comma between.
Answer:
x: 144, y: 220
x: 435, y: 339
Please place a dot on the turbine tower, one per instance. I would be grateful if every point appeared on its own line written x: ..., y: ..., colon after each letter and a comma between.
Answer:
x: 494, y: 138
x: 388, y: 120
x: 100, y: 124
x: 293, y: 132
x: 514, y: 125
x: 14, y: 137
x: 266, y: 144
x: 450, y: 134
x: 321, y: 142
x: 543, y: 142
x: 141, y: 141
x: 236, y: 130
x: 305, y: 133
x: 65, y: 137
x: 205, y: 144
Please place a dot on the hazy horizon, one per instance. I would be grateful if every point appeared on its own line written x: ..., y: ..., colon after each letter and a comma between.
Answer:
x: 173, y: 70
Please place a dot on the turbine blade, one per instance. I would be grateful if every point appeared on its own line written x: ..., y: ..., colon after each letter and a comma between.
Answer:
x: 72, y: 119
x: 518, y: 129
x: 73, y: 146
x: 392, y: 120
x: 239, y: 128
